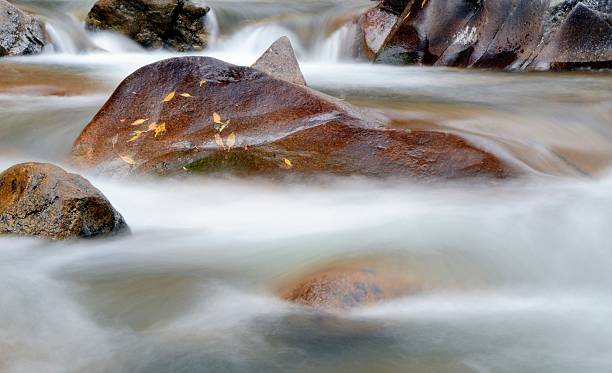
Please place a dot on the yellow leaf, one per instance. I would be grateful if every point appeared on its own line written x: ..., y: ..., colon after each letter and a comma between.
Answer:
x: 219, y: 140
x: 152, y: 127
x: 202, y: 82
x: 185, y: 94
x: 223, y: 126
x: 160, y: 129
x: 136, y: 136
x: 216, y: 118
x: 288, y: 163
x: 231, y: 140
x: 127, y: 160
x: 169, y: 97
x: 138, y: 122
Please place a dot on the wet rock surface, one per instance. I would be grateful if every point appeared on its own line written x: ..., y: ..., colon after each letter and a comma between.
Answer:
x: 173, y: 24
x: 199, y: 114
x: 45, y: 201
x: 512, y: 34
x: 352, y: 284
x: 20, y: 33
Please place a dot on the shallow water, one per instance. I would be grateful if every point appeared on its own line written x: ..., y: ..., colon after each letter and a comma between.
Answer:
x: 519, y: 271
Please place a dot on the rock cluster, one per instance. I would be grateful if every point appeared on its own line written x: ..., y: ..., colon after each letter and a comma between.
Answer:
x: 510, y: 34
x: 174, y: 24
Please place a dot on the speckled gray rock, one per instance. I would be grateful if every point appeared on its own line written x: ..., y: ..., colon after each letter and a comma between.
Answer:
x: 43, y: 200
x: 19, y: 33
x: 173, y: 24
x: 280, y: 62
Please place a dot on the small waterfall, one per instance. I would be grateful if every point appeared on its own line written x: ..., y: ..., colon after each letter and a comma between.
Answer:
x: 60, y: 41
x: 253, y: 40
x: 340, y: 45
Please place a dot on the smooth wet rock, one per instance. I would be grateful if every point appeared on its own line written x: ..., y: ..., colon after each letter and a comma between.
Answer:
x: 174, y: 24
x: 199, y: 114
x: 43, y: 200
x: 280, y: 62
x: 353, y: 284
x: 376, y: 24
x: 20, y: 33
x: 514, y: 34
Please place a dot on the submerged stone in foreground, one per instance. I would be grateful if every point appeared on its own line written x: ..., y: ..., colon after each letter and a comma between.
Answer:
x: 199, y: 114
x: 20, y: 34
x: 44, y: 200
x: 353, y: 284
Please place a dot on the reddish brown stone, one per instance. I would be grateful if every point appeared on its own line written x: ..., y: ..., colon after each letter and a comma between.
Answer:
x: 279, y: 128
x: 43, y: 200
x: 352, y: 284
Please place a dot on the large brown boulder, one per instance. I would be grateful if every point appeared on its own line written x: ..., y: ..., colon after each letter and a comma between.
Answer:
x: 352, y: 284
x: 20, y: 34
x: 43, y: 200
x: 516, y: 34
x: 174, y: 24
x: 199, y: 114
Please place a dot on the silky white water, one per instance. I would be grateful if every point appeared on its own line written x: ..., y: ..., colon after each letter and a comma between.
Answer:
x: 521, y: 270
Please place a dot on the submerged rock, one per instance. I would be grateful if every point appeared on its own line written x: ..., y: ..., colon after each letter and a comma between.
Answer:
x: 20, y: 34
x: 44, y: 200
x: 199, y: 114
x: 353, y: 284
x: 174, y: 24
x: 521, y: 34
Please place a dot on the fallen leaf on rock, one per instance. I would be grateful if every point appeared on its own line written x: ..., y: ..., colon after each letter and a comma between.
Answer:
x: 127, y: 160
x: 288, y: 163
x: 185, y: 94
x: 160, y: 129
x: 169, y: 97
x: 136, y: 136
x: 202, y: 82
x: 216, y: 118
x: 219, y: 140
x: 152, y: 127
x: 231, y: 141
x: 138, y: 122
x: 223, y: 126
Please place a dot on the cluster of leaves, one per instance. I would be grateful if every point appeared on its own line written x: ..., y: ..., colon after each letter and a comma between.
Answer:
x: 159, y: 129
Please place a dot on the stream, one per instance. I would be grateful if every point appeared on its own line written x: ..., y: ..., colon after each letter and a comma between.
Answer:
x: 526, y: 263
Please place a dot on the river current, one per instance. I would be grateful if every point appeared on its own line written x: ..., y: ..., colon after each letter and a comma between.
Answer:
x: 526, y: 263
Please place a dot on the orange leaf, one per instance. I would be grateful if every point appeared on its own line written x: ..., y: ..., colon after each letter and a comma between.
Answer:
x: 127, y: 160
x: 219, y: 140
x: 138, y: 122
x: 169, y: 97
x: 160, y: 129
x: 231, y: 140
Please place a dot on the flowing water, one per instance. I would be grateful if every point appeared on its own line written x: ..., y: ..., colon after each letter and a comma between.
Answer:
x: 522, y: 269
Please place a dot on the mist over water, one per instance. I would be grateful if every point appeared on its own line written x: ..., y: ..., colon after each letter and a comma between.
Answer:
x: 518, y: 271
